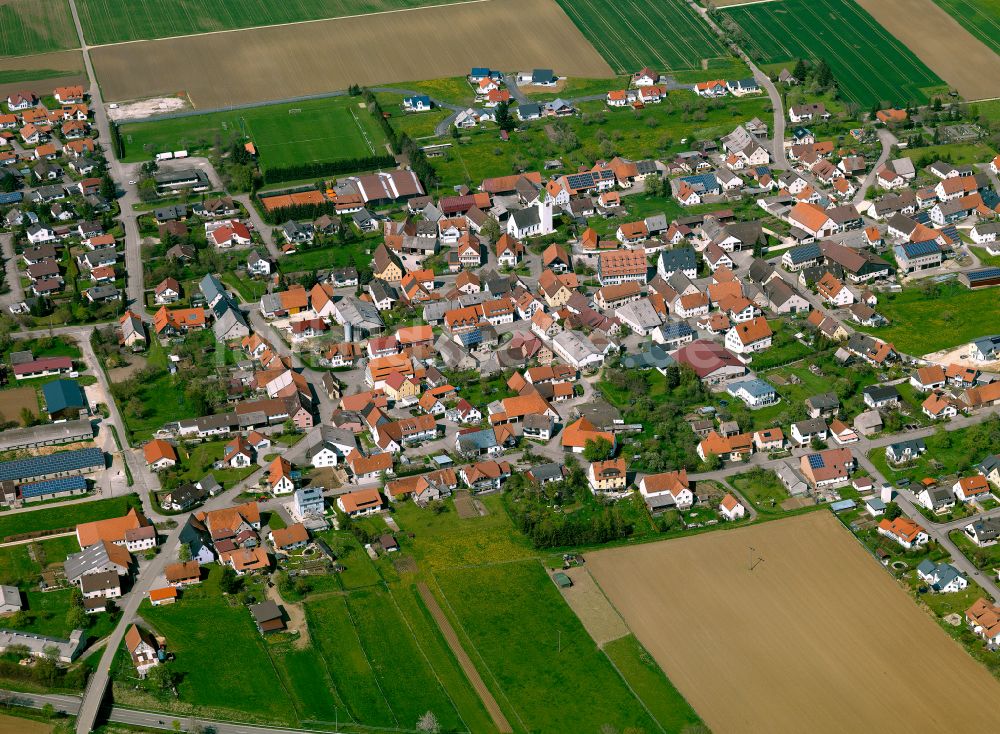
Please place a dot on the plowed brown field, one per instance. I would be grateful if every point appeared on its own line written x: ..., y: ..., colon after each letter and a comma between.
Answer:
x: 234, y: 67
x: 816, y: 638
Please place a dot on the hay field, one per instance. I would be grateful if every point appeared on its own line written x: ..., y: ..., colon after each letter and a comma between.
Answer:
x: 869, y: 64
x: 41, y: 73
x: 312, y: 58
x: 955, y: 54
x: 111, y: 21
x: 816, y: 638
x: 15, y: 400
x: 630, y: 34
x: 35, y: 27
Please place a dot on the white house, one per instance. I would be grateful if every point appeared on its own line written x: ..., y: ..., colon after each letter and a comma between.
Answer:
x: 731, y: 508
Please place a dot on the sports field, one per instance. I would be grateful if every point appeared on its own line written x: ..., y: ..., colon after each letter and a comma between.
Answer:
x: 111, y: 21
x: 975, y: 73
x: 285, y: 134
x: 35, y: 27
x: 817, y: 637
x: 869, y: 64
x: 631, y: 34
x: 282, y: 62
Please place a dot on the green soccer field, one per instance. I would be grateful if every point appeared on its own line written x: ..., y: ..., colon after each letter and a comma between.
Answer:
x: 35, y: 27
x: 981, y: 18
x: 112, y: 21
x: 869, y: 64
x: 630, y: 34
x: 299, y: 132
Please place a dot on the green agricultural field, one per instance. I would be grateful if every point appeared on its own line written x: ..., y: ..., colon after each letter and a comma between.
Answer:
x: 36, y: 27
x: 869, y: 64
x: 981, y: 18
x: 922, y: 322
x: 631, y: 34
x: 67, y: 516
x: 533, y: 652
x: 111, y: 21
x: 322, y: 130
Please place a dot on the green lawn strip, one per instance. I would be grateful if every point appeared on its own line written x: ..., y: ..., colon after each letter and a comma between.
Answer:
x: 21, y: 564
x: 985, y: 258
x: 68, y: 517
x: 671, y: 711
x: 980, y: 17
x: 305, y: 672
x: 111, y: 21
x: 204, y: 632
x: 453, y: 90
x: 442, y: 660
x: 537, y: 652
x: 356, y: 253
x: 322, y: 130
x: 925, y: 319
x: 359, y: 571
x: 404, y: 674
x: 334, y: 632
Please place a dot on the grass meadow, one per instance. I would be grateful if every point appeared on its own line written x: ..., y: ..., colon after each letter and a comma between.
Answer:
x: 869, y: 64
x: 921, y: 323
x: 630, y: 34
x: 112, y: 21
x: 320, y: 130
x: 55, y: 518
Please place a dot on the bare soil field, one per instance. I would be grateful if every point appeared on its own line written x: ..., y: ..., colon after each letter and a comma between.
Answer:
x: 586, y: 599
x: 464, y: 506
x: 935, y: 39
x: 311, y: 58
x: 816, y: 638
x: 16, y: 400
x: 41, y: 73
x: 17, y: 725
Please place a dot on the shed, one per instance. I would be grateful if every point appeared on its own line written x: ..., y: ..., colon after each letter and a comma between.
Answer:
x: 268, y: 616
x: 388, y: 543
x: 843, y: 505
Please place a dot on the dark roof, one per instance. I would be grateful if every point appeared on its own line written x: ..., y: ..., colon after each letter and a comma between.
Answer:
x: 63, y: 394
x: 65, y: 461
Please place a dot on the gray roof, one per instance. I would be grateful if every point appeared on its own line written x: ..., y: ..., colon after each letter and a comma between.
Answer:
x: 880, y: 393
x: 812, y: 425
x: 823, y: 401
x: 47, y: 433
x: 681, y: 258
x: 525, y: 217
x: 84, y: 562
x: 78, y: 460
x: 756, y: 388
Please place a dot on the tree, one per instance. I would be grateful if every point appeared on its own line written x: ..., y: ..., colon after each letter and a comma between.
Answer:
x: 892, y: 511
x: 491, y: 230
x: 108, y: 188
x: 184, y: 553
x: 76, y: 618
x: 505, y: 120
x: 48, y: 711
x: 428, y: 723
x: 597, y: 449
x: 147, y: 190
x: 824, y: 74
x: 229, y: 582
x: 799, y: 72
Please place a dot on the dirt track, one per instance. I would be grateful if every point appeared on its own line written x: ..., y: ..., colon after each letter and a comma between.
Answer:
x: 262, y: 64
x: 463, y: 659
x: 940, y: 41
x: 816, y: 638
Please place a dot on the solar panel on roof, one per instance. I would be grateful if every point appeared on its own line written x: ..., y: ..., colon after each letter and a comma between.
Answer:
x: 951, y: 231
x: 916, y: 249
x: 983, y: 274
x: 52, y: 486
x: 67, y: 461
x: 922, y: 218
x: 815, y: 461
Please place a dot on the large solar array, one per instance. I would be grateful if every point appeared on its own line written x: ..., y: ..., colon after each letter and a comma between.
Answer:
x: 53, y: 486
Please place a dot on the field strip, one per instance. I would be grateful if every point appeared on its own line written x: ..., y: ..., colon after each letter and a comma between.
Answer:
x: 729, y: 6
x: 463, y: 659
x: 292, y: 23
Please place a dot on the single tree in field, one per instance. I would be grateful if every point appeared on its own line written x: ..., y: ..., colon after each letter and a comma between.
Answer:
x: 428, y: 723
x: 505, y: 120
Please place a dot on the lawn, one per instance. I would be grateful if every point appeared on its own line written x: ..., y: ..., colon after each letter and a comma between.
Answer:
x: 36, y: 27
x: 957, y: 452
x: 872, y: 66
x: 631, y: 34
x: 986, y: 559
x: 55, y: 518
x: 110, y: 21
x: 322, y: 130
x: 534, y: 653
x: 196, y: 461
x: 986, y: 258
x: 784, y: 348
x: 649, y: 683
x: 214, y: 666
x: 597, y: 133
x: 326, y: 257
x: 921, y: 322
x: 762, y: 488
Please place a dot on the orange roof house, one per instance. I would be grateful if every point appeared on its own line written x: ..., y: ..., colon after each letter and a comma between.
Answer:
x: 576, y: 435
x: 112, y: 530
x: 159, y: 454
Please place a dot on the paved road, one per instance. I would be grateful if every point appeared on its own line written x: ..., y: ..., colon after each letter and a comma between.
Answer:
x: 887, y: 139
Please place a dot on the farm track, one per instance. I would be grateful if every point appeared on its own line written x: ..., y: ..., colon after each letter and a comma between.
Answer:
x: 455, y: 645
